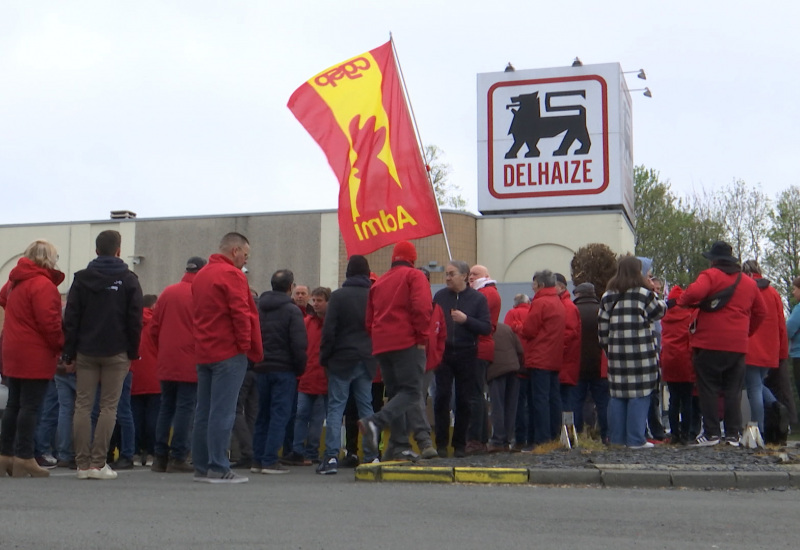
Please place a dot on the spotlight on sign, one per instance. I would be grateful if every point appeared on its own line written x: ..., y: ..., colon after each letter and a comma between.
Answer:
x: 639, y: 74
x: 577, y: 62
x: 645, y: 91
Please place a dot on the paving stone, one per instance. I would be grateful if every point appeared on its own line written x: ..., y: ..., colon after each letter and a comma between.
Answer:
x: 549, y: 476
x: 704, y: 480
x: 761, y: 480
x: 636, y: 478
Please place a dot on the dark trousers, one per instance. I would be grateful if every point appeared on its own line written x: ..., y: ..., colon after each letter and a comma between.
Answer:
x: 680, y: 410
x: 503, y: 391
x: 176, y: 411
x: 478, y: 413
x: 524, y: 427
x: 546, y: 396
x: 458, y: 365
x: 598, y: 388
x: 145, y: 409
x: 720, y: 371
x: 246, y: 412
x: 25, y: 396
x: 654, y: 416
x: 351, y: 417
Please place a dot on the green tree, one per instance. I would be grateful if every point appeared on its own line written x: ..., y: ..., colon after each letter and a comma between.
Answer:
x: 783, y: 254
x: 448, y: 194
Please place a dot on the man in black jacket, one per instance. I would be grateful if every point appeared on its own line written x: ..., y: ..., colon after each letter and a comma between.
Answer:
x: 466, y: 313
x: 346, y: 353
x: 102, y: 329
x: 283, y: 334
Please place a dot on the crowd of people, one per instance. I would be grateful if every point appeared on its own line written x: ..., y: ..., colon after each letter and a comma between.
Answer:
x: 211, y: 377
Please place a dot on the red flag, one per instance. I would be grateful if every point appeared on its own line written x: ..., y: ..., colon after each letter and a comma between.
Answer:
x: 357, y: 113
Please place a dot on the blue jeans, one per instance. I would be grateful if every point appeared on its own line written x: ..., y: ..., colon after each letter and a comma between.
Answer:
x: 65, y: 387
x: 359, y: 382
x: 276, y: 393
x: 48, y: 421
x: 627, y: 420
x: 598, y: 388
x: 546, y: 397
x: 758, y: 395
x: 217, y: 390
x: 178, y: 401
x: 311, y: 410
x: 568, y: 397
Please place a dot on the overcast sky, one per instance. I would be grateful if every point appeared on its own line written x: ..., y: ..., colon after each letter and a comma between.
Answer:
x: 179, y: 108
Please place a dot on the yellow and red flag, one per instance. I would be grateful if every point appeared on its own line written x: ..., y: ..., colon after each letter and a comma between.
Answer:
x: 357, y: 113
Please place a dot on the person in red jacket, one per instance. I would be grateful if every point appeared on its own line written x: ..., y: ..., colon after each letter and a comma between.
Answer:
x: 398, y: 319
x: 523, y: 436
x: 312, y: 389
x: 571, y: 361
x: 32, y: 341
x: 226, y: 335
x: 543, y: 342
x: 145, y: 389
x: 720, y: 340
x: 767, y: 347
x: 173, y: 340
x: 477, y: 435
x: 676, y: 366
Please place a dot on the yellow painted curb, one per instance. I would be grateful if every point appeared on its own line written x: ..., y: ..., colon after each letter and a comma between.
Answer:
x: 368, y: 472
x: 415, y: 473
x: 491, y: 475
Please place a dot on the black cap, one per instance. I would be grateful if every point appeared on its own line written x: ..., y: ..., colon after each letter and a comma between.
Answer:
x: 194, y: 264
x: 358, y: 265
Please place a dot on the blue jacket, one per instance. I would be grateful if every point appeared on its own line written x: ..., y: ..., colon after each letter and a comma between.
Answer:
x: 793, y: 331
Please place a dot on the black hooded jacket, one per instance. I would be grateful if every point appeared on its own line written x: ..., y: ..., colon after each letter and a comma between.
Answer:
x: 283, y: 334
x: 345, y: 341
x: 103, y: 316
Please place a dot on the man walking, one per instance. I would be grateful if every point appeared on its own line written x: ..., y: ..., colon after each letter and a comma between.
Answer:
x: 226, y: 335
x: 398, y: 320
x: 102, y: 327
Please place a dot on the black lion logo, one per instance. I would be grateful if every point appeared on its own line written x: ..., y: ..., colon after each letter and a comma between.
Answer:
x: 529, y: 126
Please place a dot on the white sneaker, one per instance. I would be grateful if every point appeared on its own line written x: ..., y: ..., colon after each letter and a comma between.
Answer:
x: 647, y: 445
x: 83, y: 474
x: 102, y: 473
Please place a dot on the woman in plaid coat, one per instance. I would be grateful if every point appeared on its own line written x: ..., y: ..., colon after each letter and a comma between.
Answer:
x: 624, y: 326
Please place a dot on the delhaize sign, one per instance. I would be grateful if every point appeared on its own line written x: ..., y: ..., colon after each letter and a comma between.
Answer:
x: 553, y: 139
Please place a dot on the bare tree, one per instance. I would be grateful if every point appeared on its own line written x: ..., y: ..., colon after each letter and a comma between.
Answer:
x: 447, y: 194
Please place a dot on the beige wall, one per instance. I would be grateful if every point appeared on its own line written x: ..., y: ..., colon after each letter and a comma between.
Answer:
x: 513, y: 248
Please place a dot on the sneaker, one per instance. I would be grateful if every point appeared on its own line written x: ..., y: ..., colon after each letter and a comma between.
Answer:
x: 102, y: 473
x: 645, y: 445
x: 428, y: 453
x: 442, y: 452
x: 527, y: 449
x: 371, y: 434
x: 350, y: 461
x: 179, y: 466
x: 159, y: 464
x: 255, y: 468
x: 275, y: 468
x: 459, y: 452
x: 407, y: 455
x: 46, y: 461
x: 295, y: 459
x: 83, y: 474
x: 200, y: 477
x: 705, y: 441
x: 328, y: 466
x: 496, y: 448
x: 137, y: 459
x: 228, y: 477
x: 122, y: 463
x: 733, y: 441
x: 148, y: 460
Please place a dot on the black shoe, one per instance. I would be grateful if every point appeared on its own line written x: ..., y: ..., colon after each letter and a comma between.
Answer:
x: 242, y: 464
x: 179, y: 466
x: 442, y: 452
x: 459, y: 452
x: 159, y: 464
x: 350, y: 461
x: 122, y: 463
x: 328, y: 466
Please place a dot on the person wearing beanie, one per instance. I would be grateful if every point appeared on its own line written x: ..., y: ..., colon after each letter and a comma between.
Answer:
x: 346, y: 353
x: 176, y: 369
x: 398, y: 320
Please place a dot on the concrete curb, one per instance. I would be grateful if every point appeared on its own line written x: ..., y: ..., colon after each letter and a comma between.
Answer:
x: 609, y: 477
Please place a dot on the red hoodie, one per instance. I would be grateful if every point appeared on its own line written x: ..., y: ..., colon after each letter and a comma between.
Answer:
x: 571, y: 366
x: 486, y: 341
x: 144, y: 380
x: 32, y: 333
x: 399, y: 310
x: 676, y: 346
x: 225, y: 315
x: 769, y: 343
x: 543, y: 331
x: 314, y: 380
x: 171, y: 332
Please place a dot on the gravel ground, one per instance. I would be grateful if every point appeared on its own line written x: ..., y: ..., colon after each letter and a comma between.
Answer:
x: 661, y: 457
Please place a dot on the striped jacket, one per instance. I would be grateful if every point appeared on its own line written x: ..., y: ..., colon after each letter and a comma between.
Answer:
x: 624, y: 327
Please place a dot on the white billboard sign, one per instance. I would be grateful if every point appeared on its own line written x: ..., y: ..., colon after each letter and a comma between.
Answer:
x: 554, y: 138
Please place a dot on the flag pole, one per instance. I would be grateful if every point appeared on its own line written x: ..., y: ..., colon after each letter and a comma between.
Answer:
x: 419, y: 143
